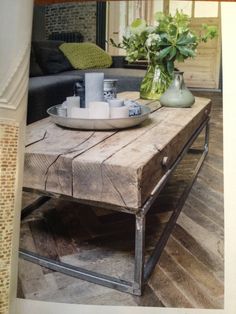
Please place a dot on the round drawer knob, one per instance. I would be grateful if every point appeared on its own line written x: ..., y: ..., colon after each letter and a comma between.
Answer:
x: 165, y: 161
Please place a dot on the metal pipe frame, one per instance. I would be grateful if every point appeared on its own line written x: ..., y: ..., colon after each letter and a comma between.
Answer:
x: 142, y: 270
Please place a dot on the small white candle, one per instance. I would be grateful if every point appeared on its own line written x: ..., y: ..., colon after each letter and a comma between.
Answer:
x: 64, y: 104
x: 80, y: 113
x: 99, y: 110
x: 116, y: 102
x: 73, y: 100
x: 119, y: 112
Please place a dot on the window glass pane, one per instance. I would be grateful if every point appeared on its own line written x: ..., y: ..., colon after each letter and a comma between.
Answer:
x: 158, y: 5
x: 131, y: 11
x: 185, y: 6
x: 123, y: 14
x: 206, y: 9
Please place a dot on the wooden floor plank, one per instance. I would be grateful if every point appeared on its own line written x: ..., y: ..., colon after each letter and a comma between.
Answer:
x: 203, y: 221
x: 206, y: 209
x: 212, y: 178
x: 185, y: 282
x: 210, y: 260
x: 167, y: 292
x: 207, y: 239
x: 212, y: 197
x: 198, y: 270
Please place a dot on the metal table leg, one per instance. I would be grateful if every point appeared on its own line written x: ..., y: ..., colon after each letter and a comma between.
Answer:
x: 139, y: 253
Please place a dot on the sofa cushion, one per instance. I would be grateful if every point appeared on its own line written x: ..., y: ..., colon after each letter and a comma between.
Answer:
x: 52, y: 61
x: 86, y: 55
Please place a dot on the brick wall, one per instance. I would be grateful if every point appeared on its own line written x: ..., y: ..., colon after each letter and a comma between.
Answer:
x: 73, y: 16
x: 8, y: 159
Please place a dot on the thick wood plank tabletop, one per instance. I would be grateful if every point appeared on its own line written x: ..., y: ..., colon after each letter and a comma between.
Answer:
x: 115, y: 167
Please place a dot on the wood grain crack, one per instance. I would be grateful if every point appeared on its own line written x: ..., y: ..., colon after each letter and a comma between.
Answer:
x: 71, y: 150
x: 116, y: 189
x: 127, y: 144
x: 41, y: 139
x: 82, y: 152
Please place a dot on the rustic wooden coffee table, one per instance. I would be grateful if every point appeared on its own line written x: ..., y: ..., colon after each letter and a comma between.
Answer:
x: 121, y: 170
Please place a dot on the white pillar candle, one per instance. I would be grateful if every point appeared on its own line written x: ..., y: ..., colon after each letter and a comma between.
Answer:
x: 94, y: 87
x: 71, y: 102
x: 99, y: 110
x: 119, y: 112
x: 116, y: 102
x: 80, y: 113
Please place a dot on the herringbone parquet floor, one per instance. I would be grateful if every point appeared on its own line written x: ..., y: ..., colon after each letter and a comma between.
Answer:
x: 190, y: 273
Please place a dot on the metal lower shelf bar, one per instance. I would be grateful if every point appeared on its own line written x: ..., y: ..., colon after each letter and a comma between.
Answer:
x: 33, y: 206
x: 77, y: 272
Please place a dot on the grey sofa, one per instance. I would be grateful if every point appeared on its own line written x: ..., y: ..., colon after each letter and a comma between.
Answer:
x: 48, y: 89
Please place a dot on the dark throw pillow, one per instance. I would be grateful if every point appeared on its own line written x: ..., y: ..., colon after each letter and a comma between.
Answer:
x: 35, y: 69
x: 52, y: 61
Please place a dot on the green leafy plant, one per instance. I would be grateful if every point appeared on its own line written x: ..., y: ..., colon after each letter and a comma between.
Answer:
x: 169, y: 40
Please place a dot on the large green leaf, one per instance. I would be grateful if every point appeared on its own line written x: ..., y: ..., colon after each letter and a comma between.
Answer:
x: 172, y: 53
x: 164, y: 52
x: 186, y: 51
x: 185, y: 40
x: 164, y: 39
x: 170, y: 67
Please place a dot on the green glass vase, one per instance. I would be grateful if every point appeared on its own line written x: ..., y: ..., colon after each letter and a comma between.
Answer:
x: 155, y: 82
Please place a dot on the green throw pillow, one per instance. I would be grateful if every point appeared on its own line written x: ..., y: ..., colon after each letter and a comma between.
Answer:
x: 86, y: 55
